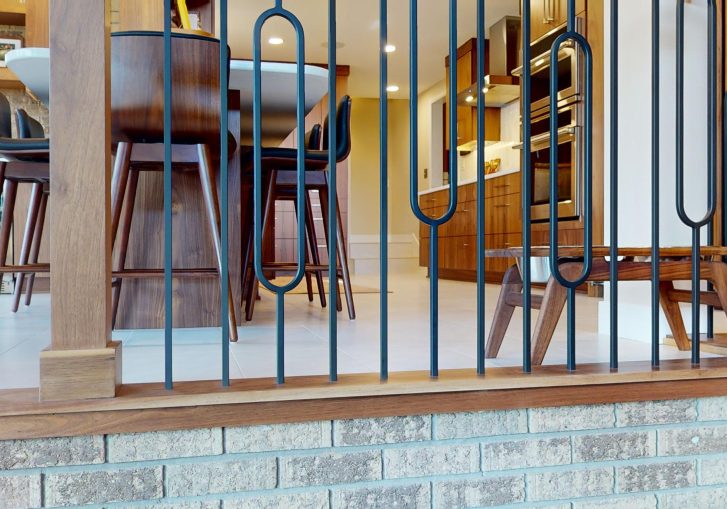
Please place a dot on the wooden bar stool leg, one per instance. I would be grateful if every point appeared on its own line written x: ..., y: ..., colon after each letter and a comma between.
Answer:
x: 315, y: 256
x: 128, y: 203
x: 343, y: 262
x: 308, y: 282
x: 119, y: 181
x: 209, y: 190
x: 511, y: 284
x: 33, y: 209
x: 3, y: 165
x: 323, y: 196
x: 35, y: 247
x: 268, y: 204
x: 9, y: 193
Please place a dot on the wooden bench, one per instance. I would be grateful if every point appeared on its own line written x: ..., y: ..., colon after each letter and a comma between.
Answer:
x: 634, y: 265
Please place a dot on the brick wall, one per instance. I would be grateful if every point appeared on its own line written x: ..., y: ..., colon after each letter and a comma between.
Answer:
x: 635, y: 455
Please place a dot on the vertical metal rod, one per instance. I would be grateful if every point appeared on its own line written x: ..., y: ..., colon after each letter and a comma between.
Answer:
x: 655, y: 163
x: 332, y: 196
x: 224, y: 213
x: 433, y: 223
x: 280, y: 291
x: 696, y: 283
x: 571, y: 320
x: 613, y: 266
x: 384, y: 191
x: 526, y: 190
x: 280, y: 336
x: 434, y: 301
x: 480, y: 187
x: 168, y: 295
x: 696, y: 225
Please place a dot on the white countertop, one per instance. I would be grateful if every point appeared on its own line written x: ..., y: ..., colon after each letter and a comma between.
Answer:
x: 495, y: 175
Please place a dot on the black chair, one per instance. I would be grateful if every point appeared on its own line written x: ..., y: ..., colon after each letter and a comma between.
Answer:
x: 28, y: 127
x: 280, y: 165
x: 22, y: 161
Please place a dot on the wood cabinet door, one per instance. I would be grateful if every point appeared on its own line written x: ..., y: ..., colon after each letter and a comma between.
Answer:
x: 538, y: 25
x: 503, y: 214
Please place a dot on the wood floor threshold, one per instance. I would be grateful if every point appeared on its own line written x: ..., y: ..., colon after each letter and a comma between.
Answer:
x: 149, y: 407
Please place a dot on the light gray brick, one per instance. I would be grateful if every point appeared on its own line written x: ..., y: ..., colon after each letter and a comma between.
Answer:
x: 568, y: 484
x: 713, y: 409
x: 330, y: 468
x: 485, y: 492
x: 20, y: 491
x: 571, y: 418
x: 514, y: 454
x: 713, y: 471
x: 431, y: 460
x: 481, y: 424
x: 614, y: 446
x: 277, y: 437
x: 713, y: 498
x: 51, y: 452
x: 641, y: 413
x: 305, y: 500
x: 103, y: 486
x: 194, y: 479
x: 685, y: 441
x: 164, y: 444
x: 627, y: 502
x: 385, y: 430
x: 414, y: 496
x: 201, y: 504
x: 656, y: 476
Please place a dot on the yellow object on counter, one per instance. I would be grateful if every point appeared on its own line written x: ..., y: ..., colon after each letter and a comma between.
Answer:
x: 184, y: 14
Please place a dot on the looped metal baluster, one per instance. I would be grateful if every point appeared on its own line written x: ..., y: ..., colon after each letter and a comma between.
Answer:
x: 433, y: 223
x: 696, y: 225
x: 571, y: 285
x: 280, y: 291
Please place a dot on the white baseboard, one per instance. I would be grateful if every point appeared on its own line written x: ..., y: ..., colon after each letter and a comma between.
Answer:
x: 363, y: 253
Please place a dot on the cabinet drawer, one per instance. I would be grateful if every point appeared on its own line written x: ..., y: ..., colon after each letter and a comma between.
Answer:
x: 500, y: 186
x: 460, y: 253
x: 503, y: 214
x: 435, y: 199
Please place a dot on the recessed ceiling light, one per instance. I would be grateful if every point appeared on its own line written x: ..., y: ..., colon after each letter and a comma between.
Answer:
x: 392, y: 88
x: 485, y: 90
x: 469, y: 98
x: 389, y: 48
x: 276, y: 41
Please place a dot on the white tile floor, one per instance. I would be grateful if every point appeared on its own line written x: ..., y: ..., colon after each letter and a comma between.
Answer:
x: 197, y: 352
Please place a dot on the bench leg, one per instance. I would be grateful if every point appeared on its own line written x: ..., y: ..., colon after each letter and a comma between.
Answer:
x: 719, y: 281
x: 511, y: 284
x: 673, y: 316
x: 550, y: 310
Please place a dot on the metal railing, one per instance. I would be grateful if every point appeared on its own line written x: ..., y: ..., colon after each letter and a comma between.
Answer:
x: 581, y: 45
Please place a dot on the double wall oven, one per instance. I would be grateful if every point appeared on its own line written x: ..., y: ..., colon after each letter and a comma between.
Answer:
x: 570, y: 127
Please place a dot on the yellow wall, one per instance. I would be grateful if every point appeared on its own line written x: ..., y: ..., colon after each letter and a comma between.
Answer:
x: 364, y: 203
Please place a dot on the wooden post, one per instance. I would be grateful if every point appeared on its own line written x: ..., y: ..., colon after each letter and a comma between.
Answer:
x: 81, y: 362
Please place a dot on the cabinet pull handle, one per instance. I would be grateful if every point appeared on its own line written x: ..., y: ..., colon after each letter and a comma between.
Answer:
x: 502, y: 185
x: 549, y: 12
x: 501, y: 206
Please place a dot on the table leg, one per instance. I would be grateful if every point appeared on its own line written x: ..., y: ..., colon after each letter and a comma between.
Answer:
x: 673, y: 315
x: 511, y: 284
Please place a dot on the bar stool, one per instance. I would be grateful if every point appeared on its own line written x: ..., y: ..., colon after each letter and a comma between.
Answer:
x: 137, y: 116
x: 22, y: 161
x: 28, y: 127
x: 280, y: 164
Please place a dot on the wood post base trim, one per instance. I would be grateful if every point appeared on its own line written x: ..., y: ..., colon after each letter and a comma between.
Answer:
x: 67, y: 375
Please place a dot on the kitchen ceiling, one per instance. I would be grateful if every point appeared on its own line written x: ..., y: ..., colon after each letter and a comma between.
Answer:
x: 358, y: 34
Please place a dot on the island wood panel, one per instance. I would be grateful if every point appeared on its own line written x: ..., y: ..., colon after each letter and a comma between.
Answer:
x: 36, y: 23
x: 196, y: 301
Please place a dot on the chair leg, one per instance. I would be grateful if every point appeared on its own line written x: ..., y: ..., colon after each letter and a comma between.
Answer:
x: 315, y: 256
x: 268, y: 204
x: 511, y: 284
x: 128, y: 203
x: 308, y: 282
x: 209, y: 190
x: 119, y: 180
x: 35, y: 247
x: 33, y: 208
x: 323, y: 197
x: 343, y: 262
x: 9, y: 193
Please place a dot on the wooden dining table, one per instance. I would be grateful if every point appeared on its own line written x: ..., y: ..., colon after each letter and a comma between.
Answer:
x: 196, y: 300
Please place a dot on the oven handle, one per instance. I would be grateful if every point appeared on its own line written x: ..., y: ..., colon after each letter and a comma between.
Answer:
x: 543, y: 60
x: 544, y: 139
